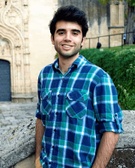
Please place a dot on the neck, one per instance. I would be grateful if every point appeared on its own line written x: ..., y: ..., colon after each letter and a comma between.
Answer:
x: 65, y: 63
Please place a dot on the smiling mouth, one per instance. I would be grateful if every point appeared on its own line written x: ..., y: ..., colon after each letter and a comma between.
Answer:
x: 65, y: 46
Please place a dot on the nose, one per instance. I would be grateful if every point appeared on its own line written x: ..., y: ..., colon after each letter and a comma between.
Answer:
x: 67, y: 36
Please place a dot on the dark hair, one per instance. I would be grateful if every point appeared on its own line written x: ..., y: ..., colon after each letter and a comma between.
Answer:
x: 72, y: 14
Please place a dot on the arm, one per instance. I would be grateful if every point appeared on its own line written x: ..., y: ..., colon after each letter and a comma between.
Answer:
x: 39, y: 135
x: 105, y: 150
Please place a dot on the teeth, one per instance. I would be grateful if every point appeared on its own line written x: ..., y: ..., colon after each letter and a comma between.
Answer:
x: 66, y: 46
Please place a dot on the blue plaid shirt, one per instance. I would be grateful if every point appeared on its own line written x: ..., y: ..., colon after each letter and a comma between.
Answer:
x: 75, y: 108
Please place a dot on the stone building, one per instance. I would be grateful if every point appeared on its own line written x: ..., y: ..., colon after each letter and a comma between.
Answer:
x: 25, y: 45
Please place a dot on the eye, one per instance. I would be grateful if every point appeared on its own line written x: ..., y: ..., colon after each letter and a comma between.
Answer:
x: 60, y: 32
x: 75, y: 33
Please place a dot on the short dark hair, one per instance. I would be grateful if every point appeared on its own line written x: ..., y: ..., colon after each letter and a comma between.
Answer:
x: 72, y: 14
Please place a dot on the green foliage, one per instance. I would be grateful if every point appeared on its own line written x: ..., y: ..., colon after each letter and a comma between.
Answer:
x: 130, y: 2
x: 120, y: 65
x: 104, y: 2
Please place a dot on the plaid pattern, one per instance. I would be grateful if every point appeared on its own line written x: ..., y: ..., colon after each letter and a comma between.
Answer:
x: 71, y: 106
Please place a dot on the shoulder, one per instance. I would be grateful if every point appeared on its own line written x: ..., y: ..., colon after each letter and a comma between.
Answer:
x: 46, y: 69
x: 95, y: 73
x: 94, y: 69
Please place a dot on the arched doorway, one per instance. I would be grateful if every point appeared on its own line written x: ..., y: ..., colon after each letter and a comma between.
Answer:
x: 5, y: 82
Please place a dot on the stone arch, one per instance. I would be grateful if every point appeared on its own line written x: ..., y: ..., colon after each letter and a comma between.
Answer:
x: 14, y: 32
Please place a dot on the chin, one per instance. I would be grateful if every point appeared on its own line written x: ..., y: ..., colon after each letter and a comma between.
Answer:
x: 68, y: 56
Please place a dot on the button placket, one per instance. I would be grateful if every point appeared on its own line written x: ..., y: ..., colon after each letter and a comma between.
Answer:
x: 55, y: 112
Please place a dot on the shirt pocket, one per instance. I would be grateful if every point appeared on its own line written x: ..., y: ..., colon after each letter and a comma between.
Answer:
x: 76, y: 104
x: 46, y: 105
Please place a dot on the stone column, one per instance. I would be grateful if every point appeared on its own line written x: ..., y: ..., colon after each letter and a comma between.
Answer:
x: 114, y: 14
x: 116, y: 22
x: 121, y: 13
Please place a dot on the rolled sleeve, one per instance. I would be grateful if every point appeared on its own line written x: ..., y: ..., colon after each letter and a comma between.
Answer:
x: 38, y: 113
x: 111, y: 126
x: 108, y: 112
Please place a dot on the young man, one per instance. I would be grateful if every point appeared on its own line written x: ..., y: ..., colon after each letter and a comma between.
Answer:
x: 78, y: 116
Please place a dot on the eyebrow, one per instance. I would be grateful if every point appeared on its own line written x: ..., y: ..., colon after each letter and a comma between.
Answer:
x: 73, y: 30
x: 60, y: 30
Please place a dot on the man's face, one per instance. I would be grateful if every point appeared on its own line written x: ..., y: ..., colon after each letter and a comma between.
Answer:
x: 68, y: 39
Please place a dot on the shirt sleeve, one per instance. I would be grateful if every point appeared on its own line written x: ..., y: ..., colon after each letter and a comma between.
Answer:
x: 38, y: 112
x: 107, y: 110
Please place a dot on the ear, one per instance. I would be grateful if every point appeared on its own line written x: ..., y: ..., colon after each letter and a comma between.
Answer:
x: 52, y: 39
x: 83, y: 41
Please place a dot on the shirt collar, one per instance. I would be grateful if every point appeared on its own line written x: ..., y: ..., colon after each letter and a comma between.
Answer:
x: 79, y: 61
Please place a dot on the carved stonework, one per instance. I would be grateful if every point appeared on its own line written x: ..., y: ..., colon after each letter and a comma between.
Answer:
x: 14, y: 44
x: 5, y: 48
x: 13, y: 18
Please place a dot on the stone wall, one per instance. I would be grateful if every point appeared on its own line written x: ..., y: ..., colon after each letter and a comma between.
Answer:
x: 41, y: 49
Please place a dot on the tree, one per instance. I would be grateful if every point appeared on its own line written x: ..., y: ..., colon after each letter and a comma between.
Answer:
x: 129, y: 18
